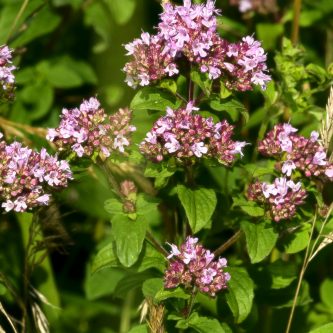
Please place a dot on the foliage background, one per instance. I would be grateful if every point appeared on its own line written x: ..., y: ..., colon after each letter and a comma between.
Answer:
x: 67, y: 50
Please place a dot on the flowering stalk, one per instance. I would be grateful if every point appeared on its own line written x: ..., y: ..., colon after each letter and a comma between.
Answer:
x: 7, y: 78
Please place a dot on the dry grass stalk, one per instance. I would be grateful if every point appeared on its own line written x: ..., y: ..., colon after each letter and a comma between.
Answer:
x: 326, y: 131
x: 155, y: 319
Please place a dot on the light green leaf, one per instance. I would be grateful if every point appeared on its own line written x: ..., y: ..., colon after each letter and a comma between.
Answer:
x: 149, y: 98
x: 240, y: 293
x: 164, y: 294
x: 113, y: 206
x: 260, y: 239
x: 122, y: 10
x: 151, y: 286
x: 202, y: 81
x: 326, y: 293
x: 233, y: 107
x: 199, y: 205
x: 139, y: 329
x: 296, y: 242
x: 327, y: 328
x: 204, y: 324
x: 129, y: 236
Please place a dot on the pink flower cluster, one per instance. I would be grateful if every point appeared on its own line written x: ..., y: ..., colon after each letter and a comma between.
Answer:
x: 87, y: 130
x: 26, y: 176
x: 281, y: 198
x: 193, y: 265
x: 296, y: 152
x: 190, y: 31
x: 7, y: 78
x: 188, y: 136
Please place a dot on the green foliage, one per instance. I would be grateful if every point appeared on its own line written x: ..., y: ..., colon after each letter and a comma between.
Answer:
x: 199, y: 205
x: 260, y: 240
x: 240, y: 294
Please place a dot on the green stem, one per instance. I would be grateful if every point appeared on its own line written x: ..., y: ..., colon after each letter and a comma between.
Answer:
x: 295, y: 26
x: 17, y: 18
x: 191, y: 302
x: 125, y: 316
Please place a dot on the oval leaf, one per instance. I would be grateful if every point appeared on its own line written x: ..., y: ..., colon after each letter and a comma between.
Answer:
x: 199, y: 205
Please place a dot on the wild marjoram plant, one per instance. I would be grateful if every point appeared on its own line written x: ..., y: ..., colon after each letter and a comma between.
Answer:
x: 206, y: 193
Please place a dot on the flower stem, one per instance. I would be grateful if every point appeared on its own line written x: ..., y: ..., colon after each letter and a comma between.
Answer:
x: 301, y: 275
x: 295, y: 27
x: 232, y: 240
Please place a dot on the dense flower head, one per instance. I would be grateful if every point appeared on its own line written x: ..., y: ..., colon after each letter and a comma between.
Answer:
x: 187, y: 136
x: 192, y: 265
x: 281, y: 197
x: 296, y: 152
x: 87, y: 130
x: 150, y: 61
x: 190, y: 32
x: 7, y: 78
x: 242, y: 64
x: 26, y: 176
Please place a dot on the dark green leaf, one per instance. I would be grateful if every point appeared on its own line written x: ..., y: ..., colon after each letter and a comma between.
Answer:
x: 240, y: 293
x: 260, y: 239
x: 129, y: 236
x: 164, y: 294
x: 283, y: 273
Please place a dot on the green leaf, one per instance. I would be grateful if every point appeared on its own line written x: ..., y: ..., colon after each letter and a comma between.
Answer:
x: 105, y: 257
x: 169, y: 84
x: 233, y: 107
x: 269, y: 33
x: 327, y: 328
x: 44, y: 22
x: 96, y: 15
x: 113, y: 206
x: 139, y: 329
x: 151, y: 286
x: 260, y: 239
x: 249, y: 207
x: 122, y: 10
x: 150, y: 258
x: 204, y: 324
x: 37, y: 98
x: 164, y: 294
x: 102, y: 283
x: 240, y: 293
x: 160, y: 172
x: 199, y: 205
x: 149, y: 98
x: 282, y: 273
x: 326, y: 292
x: 129, y: 236
x: 296, y: 242
x: 202, y: 81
